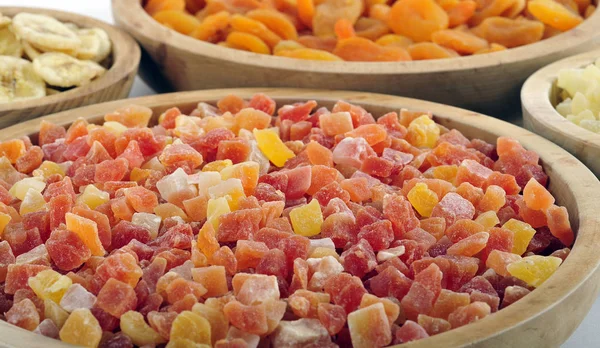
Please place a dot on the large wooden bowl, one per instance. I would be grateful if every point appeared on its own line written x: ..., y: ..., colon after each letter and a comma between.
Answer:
x: 114, y: 84
x: 488, y: 83
x: 540, y: 96
x: 545, y: 318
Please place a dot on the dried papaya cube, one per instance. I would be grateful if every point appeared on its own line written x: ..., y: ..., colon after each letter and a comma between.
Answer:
x: 369, y: 326
x: 392, y: 309
x: 559, y: 225
x: 116, y: 298
x: 213, y: 278
x: 23, y: 314
x: 81, y: 328
x: 251, y: 319
x: 447, y: 302
x: 433, y: 326
x: 468, y: 314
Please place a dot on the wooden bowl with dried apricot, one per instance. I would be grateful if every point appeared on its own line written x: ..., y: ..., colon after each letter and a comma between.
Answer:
x: 57, y: 61
x: 457, y: 54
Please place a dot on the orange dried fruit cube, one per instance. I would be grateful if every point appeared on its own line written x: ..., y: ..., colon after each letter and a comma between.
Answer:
x: 87, y: 231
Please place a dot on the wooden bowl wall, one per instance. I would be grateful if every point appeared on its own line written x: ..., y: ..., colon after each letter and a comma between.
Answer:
x: 547, y: 317
x: 488, y: 83
x: 114, y: 84
x: 539, y: 97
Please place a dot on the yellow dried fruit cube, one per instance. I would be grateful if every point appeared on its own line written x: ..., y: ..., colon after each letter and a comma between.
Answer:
x: 272, y: 147
x: 81, y: 329
x: 523, y: 234
x: 93, y: 197
x: 50, y: 285
x: 48, y: 168
x: 87, y: 231
x: 191, y: 326
x: 141, y: 334
x: 535, y: 269
x: 20, y: 188
x: 32, y: 202
x: 422, y: 199
x: 307, y: 219
x: 215, y: 208
x: 488, y: 219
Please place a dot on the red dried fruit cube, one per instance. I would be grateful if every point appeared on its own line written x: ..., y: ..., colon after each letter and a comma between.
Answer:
x: 18, y: 274
x: 241, y: 224
x: 359, y: 259
x: 410, y: 331
x: 263, y: 103
x: 321, y: 176
x: 116, y: 298
x: 24, y: 314
x: 49, y: 132
x: 333, y: 317
x: 66, y: 249
x: 345, y: 290
x: 111, y: 170
x: 125, y: 231
x: 399, y: 211
x: 296, y: 112
x: 453, y: 207
x: 249, y: 253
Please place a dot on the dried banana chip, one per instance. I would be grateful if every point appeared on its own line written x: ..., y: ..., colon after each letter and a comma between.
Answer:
x: 62, y: 70
x: 30, y: 51
x: 10, y: 45
x: 45, y: 32
x: 95, y: 44
x: 19, y: 81
x: 4, y: 21
x: 71, y: 26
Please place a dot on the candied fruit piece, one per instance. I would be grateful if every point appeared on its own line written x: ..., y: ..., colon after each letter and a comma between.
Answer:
x: 559, y: 225
x: 50, y: 285
x: 24, y: 314
x: 134, y: 326
x: 468, y: 314
x: 453, y: 207
x: 77, y: 297
x: 534, y: 269
x: 213, y: 278
x: 301, y: 333
x: 359, y: 259
x: 523, y: 233
x: 272, y: 147
x: 81, y: 329
x: 116, y: 298
x: 422, y: 199
x: 191, y: 326
x: 307, y: 219
x: 369, y: 327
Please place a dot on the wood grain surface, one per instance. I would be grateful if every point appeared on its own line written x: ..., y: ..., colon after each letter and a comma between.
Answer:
x: 114, y: 84
x: 545, y: 318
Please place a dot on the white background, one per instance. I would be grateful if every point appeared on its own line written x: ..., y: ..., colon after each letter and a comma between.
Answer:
x: 587, y: 335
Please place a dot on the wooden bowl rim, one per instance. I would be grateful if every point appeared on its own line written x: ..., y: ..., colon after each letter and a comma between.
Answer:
x: 126, y: 58
x: 535, y: 97
x: 569, y: 175
x: 131, y: 15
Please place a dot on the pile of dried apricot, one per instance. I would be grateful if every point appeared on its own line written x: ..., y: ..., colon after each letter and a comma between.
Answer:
x: 370, y: 30
x: 233, y: 227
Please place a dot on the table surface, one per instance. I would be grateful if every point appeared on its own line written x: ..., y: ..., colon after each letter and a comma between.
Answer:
x: 586, y: 335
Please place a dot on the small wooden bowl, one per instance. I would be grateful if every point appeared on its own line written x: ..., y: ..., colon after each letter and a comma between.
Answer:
x: 488, y: 83
x: 539, y: 97
x: 114, y: 84
x: 545, y: 318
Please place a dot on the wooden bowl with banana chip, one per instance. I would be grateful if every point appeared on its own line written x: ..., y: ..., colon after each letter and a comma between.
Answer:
x: 52, y: 61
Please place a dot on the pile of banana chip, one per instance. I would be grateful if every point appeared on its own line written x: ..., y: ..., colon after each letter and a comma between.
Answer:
x: 40, y: 55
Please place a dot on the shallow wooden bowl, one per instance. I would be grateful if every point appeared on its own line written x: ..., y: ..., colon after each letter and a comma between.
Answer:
x: 540, y: 96
x: 545, y: 318
x: 488, y: 83
x: 114, y: 84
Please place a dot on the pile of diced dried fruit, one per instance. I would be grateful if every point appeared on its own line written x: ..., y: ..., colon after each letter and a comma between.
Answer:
x: 370, y: 30
x: 578, y: 102
x: 40, y: 56
x: 230, y: 227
